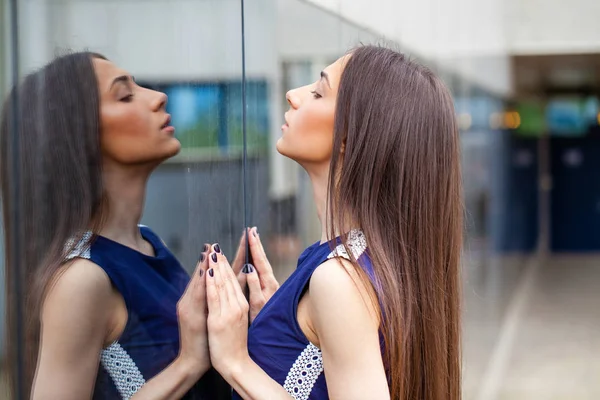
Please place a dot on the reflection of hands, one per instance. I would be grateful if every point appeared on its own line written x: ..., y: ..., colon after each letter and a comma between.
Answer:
x: 258, y: 275
x: 227, y: 317
x: 191, y: 315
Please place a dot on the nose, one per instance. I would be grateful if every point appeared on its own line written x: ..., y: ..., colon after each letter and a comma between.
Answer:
x: 292, y: 98
x: 159, y: 101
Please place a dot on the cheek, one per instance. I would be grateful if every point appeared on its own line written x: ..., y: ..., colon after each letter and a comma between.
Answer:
x: 311, y: 136
x: 124, y: 122
x: 125, y: 134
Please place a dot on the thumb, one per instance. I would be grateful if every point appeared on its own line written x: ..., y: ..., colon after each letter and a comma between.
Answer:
x: 241, y: 277
x: 256, y: 295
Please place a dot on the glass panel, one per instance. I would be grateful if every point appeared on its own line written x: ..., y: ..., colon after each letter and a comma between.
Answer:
x: 191, y: 51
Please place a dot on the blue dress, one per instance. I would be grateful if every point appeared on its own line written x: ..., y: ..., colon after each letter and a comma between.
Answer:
x: 151, y: 287
x: 276, y: 342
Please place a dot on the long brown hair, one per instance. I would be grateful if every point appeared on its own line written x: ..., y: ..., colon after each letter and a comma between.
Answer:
x: 395, y: 173
x: 50, y: 166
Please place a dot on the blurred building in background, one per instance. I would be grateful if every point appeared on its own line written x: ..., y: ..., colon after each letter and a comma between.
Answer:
x: 525, y: 75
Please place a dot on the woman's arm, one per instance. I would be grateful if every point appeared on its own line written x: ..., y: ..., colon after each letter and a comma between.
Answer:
x: 346, y: 322
x: 75, y: 323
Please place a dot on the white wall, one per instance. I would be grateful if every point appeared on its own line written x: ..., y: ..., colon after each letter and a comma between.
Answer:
x: 308, y: 32
x: 464, y: 36
x: 157, y: 39
x: 553, y: 26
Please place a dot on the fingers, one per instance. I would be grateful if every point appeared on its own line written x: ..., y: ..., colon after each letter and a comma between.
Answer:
x: 231, y: 285
x: 230, y: 282
x: 199, y: 290
x: 198, y: 274
x: 221, y: 284
x: 255, y: 289
x: 212, y: 294
x: 234, y: 290
x: 241, y: 278
x: 258, y: 253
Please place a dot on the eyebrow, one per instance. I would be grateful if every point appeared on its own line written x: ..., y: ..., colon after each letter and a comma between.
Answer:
x: 326, y: 77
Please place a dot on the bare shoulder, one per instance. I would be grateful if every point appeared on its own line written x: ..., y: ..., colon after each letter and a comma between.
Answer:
x: 75, y: 322
x: 79, y: 287
x: 336, y: 284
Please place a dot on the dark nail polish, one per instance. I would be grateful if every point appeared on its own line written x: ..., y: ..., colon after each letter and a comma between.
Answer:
x: 217, y: 248
x: 206, y: 247
x: 214, y: 257
x: 201, y: 258
x: 201, y: 272
x: 254, y: 233
x: 211, y: 272
x: 250, y: 268
x: 245, y: 269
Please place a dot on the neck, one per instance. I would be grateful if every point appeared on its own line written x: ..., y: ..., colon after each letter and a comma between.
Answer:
x: 319, y: 178
x: 125, y: 193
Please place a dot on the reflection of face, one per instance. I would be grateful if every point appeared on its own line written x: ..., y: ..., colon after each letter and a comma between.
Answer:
x: 308, y: 133
x: 135, y: 128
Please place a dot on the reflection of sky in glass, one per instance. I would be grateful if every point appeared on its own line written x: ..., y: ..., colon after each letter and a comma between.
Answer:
x: 188, y: 103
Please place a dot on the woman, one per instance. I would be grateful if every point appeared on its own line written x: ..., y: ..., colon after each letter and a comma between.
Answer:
x: 372, y: 311
x: 106, y: 312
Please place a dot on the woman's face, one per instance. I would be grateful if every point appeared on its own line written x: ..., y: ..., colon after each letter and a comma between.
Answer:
x: 308, y: 132
x: 135, y: 129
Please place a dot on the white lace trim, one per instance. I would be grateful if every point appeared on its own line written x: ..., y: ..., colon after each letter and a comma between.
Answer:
x: 81, y: 249
x: 356, y: 242
x: 122, y: 369
x: 304, y: 373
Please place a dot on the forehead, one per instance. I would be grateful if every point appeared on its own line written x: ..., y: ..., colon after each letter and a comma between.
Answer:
x: 334, y: 70
x: 106, y: 72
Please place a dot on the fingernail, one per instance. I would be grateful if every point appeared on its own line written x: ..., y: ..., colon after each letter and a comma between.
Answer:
x: 248, y: 268
x: 245, y: 269
x: 214, y: 257
x: 217, y: 248
x: 201, y: 272
x: 206, y: 247
x: 201, y: 258
x: 254, y: 232
x: 211, y: 272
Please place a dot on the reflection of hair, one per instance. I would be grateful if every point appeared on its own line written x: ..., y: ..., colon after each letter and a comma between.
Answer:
x: 51, y: 186
x: 395, y: 173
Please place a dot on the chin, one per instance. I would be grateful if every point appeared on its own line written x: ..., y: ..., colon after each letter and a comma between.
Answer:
x: 282, y: 148
x: 278, y: 145
x: 171, y: 150
x: 174, y: 147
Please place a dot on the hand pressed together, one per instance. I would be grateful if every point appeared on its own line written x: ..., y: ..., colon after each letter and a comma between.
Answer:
x: 257, y: 274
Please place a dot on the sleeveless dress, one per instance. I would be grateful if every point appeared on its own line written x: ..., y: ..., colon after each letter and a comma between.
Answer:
x: 276, y: 342
x: 151, y: 288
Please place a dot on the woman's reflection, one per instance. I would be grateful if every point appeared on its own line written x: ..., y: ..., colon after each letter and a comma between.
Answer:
x: 111, y: 312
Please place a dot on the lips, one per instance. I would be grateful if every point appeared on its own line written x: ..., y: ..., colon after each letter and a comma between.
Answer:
x: 167, y: 122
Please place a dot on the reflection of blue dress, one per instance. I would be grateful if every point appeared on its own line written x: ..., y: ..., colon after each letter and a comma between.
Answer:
x: 275, y: 340
x: 151, y: 288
